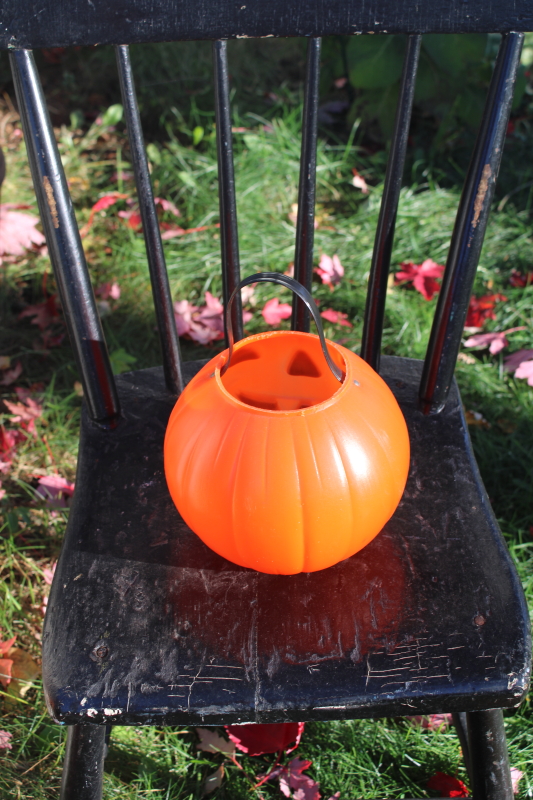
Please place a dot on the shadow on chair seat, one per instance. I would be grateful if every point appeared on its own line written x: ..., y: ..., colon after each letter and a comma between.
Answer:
x: 145, y: 624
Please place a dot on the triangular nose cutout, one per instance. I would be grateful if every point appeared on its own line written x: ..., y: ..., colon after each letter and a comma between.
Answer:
x: 302, y: 364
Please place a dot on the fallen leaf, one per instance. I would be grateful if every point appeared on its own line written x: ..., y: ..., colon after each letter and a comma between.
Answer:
x: 431, y: 722
x: 495, y: 341
x: 5, y: 362
x: 291, y: 777
x: 133, y: 219
x: 481, y: 309
x: 5, y: 743
x: 269, y: 738
x: 48, y: 573
x: 517, y: 279
x: 170, y: 232
x: 9, y: 441
x: 23, y: 673
x: 7, y: 645
x: 55, y: 490
x: 6, y: 664
x: 108, y: 290
x: 421, y: 276
x: 525, y: 371
x: 104, y: 202
x: 293, y: 216
x: 359, y: 182
x: 274, y: 311
x: 212, y: 314
x: 506, y: 425
x: 17, y: 231
x: 166, y: 205
x: 516, y: 777
x: 290, y: 270
x: 447, y: 785
x: 513, y: 361
x: 24, y: 412
x: 337, y: 317
x: 330, y: 270
x: 11, y: 375
x: 205, y: 323
x: 248, y: 295
x: 475, y: 418
x: 42, y: 314
x: 213, y: 781
x: 183, y: 311
x: 213, y: 742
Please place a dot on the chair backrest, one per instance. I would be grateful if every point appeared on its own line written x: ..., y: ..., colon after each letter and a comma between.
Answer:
x: 47, y: 24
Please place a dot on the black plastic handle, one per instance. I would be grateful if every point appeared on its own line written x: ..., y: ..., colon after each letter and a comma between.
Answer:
x: 303, y: 294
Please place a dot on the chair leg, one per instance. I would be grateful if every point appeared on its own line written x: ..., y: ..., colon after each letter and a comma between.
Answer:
x: 108, y: 729
x: 83, y: 767
x: 461, y: 727
x: 491, y: 774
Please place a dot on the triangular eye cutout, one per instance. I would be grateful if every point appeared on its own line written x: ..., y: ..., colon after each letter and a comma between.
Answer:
x: 302, y: 364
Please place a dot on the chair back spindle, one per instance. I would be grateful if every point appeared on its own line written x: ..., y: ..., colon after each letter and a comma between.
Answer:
x: 469, y: 230
x: 229, y: 238
x: 164, y: 311
x: 305, y: 224
x: 71, y: 271
x: 64, y: 242
x: 381, y: 256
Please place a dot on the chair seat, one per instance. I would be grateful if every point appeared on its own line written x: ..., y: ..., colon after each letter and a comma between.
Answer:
x: 146, y: 625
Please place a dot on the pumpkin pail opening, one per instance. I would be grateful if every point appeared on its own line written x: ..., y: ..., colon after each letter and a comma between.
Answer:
x: 282, y: 372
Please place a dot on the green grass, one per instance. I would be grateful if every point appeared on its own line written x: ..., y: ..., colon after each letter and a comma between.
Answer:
x: 360, y: 758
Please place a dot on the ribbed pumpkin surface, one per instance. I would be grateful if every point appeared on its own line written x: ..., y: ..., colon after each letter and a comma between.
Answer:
x: 276, y: 465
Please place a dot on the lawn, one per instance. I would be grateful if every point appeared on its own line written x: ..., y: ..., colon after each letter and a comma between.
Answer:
x: 392, y: 757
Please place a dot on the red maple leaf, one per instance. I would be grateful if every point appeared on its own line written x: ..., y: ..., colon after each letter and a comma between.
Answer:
x: 42, y: 314
x: 337, y: 317
x: 133, y: 219
x: 291, y: 778
x: 421, y: 276
x: 9, y: 440
x: 11, y: 375
x: 519, y: 280
x: 274, y: 311
x: 55, y: 490
x: 447, y: 785
x: 330, y: 270
x: 481, y: 309
x: 104, y: 202
x: 270, y: 738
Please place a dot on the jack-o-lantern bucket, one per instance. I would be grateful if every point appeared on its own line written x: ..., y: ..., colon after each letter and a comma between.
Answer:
x: 286, y: 454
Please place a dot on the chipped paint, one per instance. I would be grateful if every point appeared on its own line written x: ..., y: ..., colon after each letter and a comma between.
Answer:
x: 51, y: 200
x: 481, y: 193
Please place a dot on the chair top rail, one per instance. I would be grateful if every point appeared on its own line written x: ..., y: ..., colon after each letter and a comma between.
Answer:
x: 49, y: 23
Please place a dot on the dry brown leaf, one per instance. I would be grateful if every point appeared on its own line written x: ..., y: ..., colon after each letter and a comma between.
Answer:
x: 213, y: 781
x: 476, y: 418
x: 23, y: 674
x: 212, y: 742
x: 466, y: 358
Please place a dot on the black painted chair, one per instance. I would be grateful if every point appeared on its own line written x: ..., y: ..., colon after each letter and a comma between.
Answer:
x: 430, y: 616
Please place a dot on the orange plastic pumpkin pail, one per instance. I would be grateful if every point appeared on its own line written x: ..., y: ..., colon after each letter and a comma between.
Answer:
x: 285, y: 453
